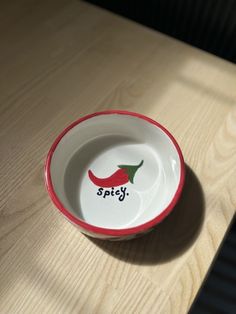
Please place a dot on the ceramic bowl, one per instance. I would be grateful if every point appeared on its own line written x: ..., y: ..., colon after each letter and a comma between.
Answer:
x: 115, y: 174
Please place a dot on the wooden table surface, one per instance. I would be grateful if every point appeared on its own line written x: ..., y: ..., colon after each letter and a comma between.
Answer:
x: 60, y: 60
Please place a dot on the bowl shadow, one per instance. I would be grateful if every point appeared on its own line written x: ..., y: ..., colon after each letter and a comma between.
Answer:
x: 172, y: 237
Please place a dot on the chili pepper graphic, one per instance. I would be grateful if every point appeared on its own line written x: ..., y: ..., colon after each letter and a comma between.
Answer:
x: 122, y: 176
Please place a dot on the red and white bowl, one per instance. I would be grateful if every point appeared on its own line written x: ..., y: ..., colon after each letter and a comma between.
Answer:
x: 115, y: 174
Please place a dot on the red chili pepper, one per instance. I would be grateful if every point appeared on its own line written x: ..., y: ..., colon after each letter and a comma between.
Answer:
x: 121, y: 176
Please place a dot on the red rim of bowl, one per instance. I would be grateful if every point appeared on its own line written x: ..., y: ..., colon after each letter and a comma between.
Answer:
x: 105, y: 231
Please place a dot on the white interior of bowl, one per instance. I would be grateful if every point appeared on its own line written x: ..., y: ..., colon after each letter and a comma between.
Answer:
x: 101, y: 144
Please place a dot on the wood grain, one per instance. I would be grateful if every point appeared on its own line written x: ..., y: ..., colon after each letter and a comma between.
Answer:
x: 60, y: 60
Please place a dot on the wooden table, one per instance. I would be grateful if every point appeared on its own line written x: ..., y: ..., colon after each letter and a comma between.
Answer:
x: 59, y: 61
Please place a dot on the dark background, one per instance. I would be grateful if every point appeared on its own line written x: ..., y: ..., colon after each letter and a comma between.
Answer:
x: 207, y: 24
